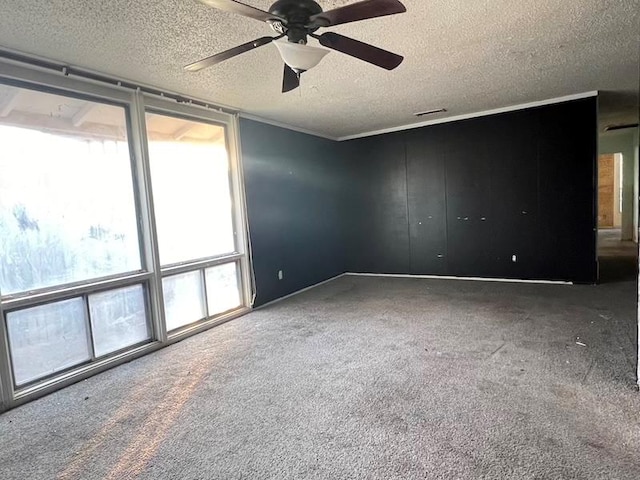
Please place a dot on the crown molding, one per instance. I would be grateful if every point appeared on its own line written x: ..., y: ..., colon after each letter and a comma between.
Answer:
x: 512, y: 108
x: 275, y: 123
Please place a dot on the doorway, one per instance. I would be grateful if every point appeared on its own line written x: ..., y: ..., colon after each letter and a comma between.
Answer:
x: 610, y: 171
x: 617, y: 257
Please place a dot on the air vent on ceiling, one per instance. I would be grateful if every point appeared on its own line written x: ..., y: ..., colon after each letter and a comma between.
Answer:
x: 430, y: 112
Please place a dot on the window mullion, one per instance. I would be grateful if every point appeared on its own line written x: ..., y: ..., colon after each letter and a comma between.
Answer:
x: 205, y: 296
x: 6, y: 381
x: 87, y: 321
x: 146, y: 214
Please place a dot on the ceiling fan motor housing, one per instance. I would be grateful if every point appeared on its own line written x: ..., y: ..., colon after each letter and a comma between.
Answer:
x: 297, y: 14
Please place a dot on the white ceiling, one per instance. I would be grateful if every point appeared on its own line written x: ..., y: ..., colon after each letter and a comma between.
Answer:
x: 464, y: 55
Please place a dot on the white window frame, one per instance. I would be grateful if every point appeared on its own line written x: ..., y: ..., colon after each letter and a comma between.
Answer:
x: 136, y: 103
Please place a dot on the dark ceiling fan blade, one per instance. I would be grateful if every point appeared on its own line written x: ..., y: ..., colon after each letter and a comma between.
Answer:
x: 242, y: 9
x: 232, y: 52
x: 290, y: 79
x: 363, y: 51
x: 357, y: 11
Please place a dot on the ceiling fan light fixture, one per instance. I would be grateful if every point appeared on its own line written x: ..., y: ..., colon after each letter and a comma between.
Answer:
x: 300, y: 57
x: 299, y: 19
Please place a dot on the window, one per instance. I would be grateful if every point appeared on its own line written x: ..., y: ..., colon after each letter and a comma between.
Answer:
x: 118, y: 319
x: 108, y: 243
x: 222, y: 288
x: 191, y: 191
x: 47, y: 339
x: 55, y: 336
x: 183, y: 299
x: 194, y: 216
x: 67, y: 209
x: 67, y: 217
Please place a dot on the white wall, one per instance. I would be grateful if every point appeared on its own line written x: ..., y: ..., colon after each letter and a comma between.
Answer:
x: 617, y: 176
x: 636, y: 188
x: 625, y: 142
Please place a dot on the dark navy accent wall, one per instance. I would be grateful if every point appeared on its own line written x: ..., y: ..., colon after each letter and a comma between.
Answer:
x: 458, y: 198
x: 295, y: 188
x: 463, y: 198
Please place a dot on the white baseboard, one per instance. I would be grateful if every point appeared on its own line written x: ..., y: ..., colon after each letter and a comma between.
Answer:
x: 399, y: 275
x: 449, y: 277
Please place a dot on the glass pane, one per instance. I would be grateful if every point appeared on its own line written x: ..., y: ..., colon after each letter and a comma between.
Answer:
x: 222, y: 288
x: 67, y: 209
x: 192, y: 197
x: 47, y: 339
x: 118, y: 319
x: 183, y: 299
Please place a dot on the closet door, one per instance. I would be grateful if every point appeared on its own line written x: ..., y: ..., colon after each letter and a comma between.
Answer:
x: 426, y: 199
x: 384, y: 238
x: 512, y: 156
x: 468, y: 193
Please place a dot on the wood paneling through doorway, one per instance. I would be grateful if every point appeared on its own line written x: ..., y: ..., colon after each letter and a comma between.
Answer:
x: 606, y: 185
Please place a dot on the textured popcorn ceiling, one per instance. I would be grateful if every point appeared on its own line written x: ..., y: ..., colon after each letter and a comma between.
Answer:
x: 466, y: 56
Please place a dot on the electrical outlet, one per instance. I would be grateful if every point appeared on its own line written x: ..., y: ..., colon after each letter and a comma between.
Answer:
x: 280, y: 275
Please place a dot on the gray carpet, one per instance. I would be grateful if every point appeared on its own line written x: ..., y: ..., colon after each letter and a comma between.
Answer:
x: 362, y: 378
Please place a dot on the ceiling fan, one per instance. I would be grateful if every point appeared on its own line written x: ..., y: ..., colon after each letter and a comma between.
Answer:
x: 299, y: 19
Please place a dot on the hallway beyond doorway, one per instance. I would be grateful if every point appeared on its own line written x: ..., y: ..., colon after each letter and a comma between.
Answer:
x: 618, y: 259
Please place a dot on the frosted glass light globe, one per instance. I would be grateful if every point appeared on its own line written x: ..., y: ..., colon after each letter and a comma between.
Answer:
x: 300, y: 57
